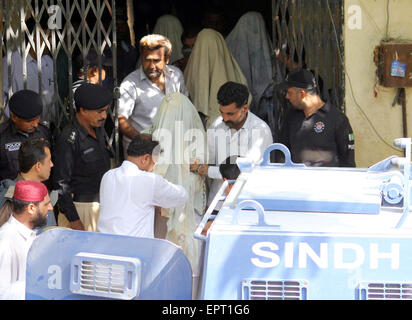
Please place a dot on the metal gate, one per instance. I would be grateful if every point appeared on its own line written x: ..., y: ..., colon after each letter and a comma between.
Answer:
x: 72, y: 26
x: 309, y: 32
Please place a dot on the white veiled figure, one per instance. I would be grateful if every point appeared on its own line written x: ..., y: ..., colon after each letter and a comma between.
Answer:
x: 209, y: 67
x: 250, y: 44
x: 178, y: 128
x: 170, y: 27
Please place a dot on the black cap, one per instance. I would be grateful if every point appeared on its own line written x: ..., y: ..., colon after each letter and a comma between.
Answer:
x: 302, y: 78
x: 26, y: 104
x: 92, y: 96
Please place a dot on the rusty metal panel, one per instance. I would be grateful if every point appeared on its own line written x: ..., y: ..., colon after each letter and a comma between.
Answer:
x: 395, y: 65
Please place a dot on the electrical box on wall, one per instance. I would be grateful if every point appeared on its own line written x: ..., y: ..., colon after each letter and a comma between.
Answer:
x: 394, y: 61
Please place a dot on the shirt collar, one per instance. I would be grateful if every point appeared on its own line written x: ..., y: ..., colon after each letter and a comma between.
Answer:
x: 325, y: 108
x: 25, y: 232
x: 82, y: 130
x: 14, y: 130
x: 130, y: 164
x: 246, y: 125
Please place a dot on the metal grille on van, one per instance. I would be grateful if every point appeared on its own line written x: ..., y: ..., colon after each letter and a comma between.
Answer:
x: 274, y: 290
x: 105, y: 276
x: 385, y: 291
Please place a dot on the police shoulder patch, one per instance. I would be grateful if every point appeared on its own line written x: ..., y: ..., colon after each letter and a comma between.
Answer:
x: 72, y: 137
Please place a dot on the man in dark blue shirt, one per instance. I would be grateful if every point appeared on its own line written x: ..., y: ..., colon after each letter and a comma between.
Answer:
x: 25, y: 110
x: 316, y: 132
x: 82, y: 157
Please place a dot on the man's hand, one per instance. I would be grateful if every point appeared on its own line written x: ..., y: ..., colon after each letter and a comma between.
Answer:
x: 77, y: 225
x: 199, y: 168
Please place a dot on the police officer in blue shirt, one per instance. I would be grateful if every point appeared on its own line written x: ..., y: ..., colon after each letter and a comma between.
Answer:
x: 25, y: 111
x: 316, y: 132
x: 81, y: 158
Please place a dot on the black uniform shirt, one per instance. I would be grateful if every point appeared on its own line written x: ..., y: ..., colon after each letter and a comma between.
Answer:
x: 325, y: 139
x: 80, y: 163
x: 10, y: 141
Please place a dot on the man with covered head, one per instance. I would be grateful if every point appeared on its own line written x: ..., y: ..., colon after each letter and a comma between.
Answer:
x: 142, y: 90
x: 30, y: 205
x: 24, y: 123
x: 82, y: 158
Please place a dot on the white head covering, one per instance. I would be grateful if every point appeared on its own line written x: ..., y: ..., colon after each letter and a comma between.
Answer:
x: 170, y: 27
x: 209, y: 67
x: 251, y: 46
x: 178, y: 128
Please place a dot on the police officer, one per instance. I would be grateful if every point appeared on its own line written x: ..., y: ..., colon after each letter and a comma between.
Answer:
x: 82, y: 157
x: 316, y: 132
x: 25, y: 110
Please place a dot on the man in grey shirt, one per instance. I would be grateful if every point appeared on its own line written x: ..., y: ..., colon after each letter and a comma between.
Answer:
x: 142, y: 90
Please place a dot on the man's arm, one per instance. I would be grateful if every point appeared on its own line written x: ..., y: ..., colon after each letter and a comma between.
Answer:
x: 167, y: 194
x: 345, y: 143
x: 126, y: 128
x: 127, y: 103
x: 64, y: 165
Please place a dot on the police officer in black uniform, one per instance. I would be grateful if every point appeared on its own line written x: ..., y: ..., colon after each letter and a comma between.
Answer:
x: 316, y: 132
x: 25, y: 110
x: 82, y: 157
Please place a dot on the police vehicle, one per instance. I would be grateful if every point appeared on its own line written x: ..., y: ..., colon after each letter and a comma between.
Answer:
x: 285, y: 231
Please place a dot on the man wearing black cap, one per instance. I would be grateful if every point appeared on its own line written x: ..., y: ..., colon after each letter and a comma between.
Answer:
x: 24, y: 123
x: 82, y: 157
x: 316, y: 132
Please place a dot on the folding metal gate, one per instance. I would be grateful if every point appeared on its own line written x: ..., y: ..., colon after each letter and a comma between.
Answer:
x: 310, y: 32
x: 71, y: 25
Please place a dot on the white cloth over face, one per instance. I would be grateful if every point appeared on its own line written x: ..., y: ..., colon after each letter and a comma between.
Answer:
x: 15, y: 242
x: 178, y: 128
x: 128, y: 196
x: 209, y: 67
x: 250, y: 44
x: 170, y: 27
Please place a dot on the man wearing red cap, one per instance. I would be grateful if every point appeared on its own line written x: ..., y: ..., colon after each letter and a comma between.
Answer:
x: 31, y: 203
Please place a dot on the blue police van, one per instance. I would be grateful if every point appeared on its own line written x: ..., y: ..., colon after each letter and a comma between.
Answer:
x: 285, y: 231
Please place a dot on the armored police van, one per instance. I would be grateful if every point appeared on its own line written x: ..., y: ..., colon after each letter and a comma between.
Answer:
x: 285, y: 231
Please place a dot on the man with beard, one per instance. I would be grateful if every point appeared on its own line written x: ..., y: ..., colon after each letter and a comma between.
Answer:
x: 142, y: 91
x: 316, y: 132
x: 82, y: 158
x: 30, y: 204
x: 237, y: 131
x: 24, y: 123
x: 35, y: 165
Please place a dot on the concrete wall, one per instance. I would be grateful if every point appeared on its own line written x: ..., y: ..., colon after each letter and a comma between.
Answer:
x: 365, y: 26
